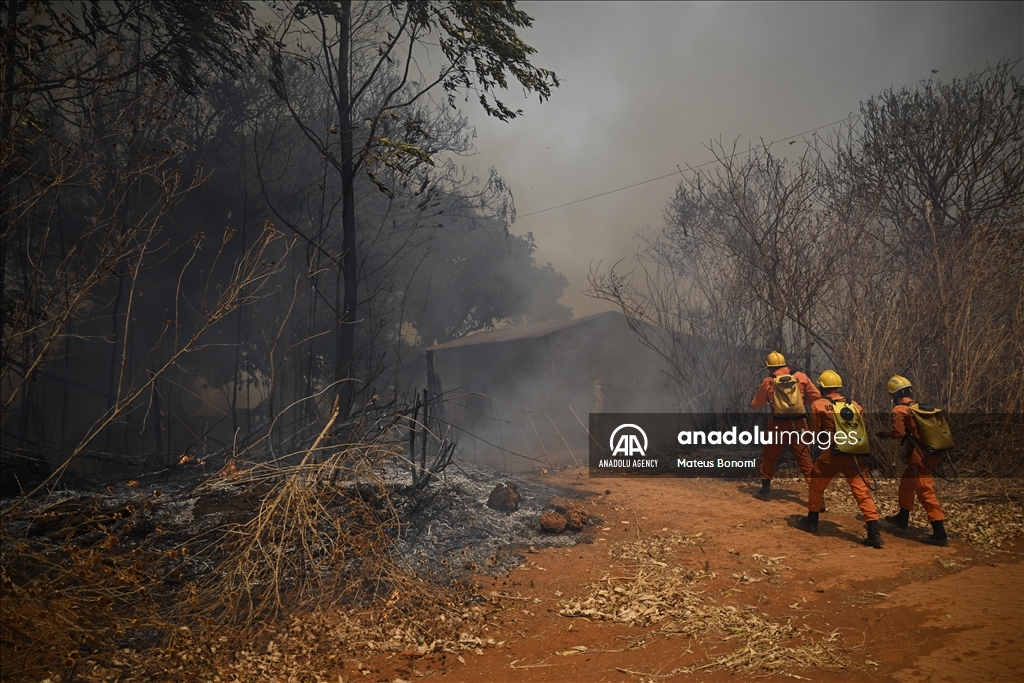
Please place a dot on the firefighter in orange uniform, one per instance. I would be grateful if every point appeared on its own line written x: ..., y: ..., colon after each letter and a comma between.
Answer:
x: 841, y: 456
x: 787, y: 394
x: 917, y: 477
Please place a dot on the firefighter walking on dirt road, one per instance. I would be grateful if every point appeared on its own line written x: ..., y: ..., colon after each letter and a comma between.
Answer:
x: 843, y: 420
x: 787, y: 394
x: 917, y: 477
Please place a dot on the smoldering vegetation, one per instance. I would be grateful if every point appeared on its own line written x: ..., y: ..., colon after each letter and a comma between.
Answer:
x: 175, y: 273
x: 893, y: 245
x: 223, y: 264
x: 131, y: 566
x: 220, y: 266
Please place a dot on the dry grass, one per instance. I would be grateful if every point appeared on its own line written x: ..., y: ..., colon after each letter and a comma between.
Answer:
x: 657, y: 590
x: 98, y: 589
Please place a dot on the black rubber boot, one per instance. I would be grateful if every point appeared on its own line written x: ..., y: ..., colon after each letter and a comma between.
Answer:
x: 900, y: 520
x: 874, y: 538
x: 938, y: 536
x: 809, y: 523
x: 766, y: 489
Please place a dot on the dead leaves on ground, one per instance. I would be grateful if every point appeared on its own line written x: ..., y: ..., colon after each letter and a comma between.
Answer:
x: 313, y: 648
x: 987, y: 514
x: 657, y: 589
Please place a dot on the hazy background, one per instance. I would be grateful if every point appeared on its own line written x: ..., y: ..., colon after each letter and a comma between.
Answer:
x: 645, y: 86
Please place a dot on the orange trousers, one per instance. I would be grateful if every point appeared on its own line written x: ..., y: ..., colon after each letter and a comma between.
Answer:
x: 830, y: 464
x: 917, y: 480
x: 801, y: 452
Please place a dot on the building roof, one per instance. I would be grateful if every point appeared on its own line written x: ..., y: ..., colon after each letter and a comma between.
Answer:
x: 518, y: 332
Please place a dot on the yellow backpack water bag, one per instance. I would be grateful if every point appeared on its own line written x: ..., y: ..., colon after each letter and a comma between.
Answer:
x: 933, y: 427
x: 787, y: 399
x: 850, y: 422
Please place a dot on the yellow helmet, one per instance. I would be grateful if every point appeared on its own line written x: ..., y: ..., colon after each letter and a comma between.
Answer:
x: 896, y: 383
x: 830, y: 379
x: 775, y: 360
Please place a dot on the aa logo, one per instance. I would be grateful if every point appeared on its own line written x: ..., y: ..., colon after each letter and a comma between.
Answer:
x: 628, y: 442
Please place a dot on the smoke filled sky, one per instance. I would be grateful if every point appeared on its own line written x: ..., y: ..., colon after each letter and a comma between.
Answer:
x: 646, y: 86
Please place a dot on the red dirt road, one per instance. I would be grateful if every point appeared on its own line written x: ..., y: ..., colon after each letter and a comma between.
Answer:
x: 909, y: 612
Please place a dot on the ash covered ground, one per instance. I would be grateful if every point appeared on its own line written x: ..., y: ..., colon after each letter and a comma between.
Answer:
x: 456, y: 530
x: 448, y: 531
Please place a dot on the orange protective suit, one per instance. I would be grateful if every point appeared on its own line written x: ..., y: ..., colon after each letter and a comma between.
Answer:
x: 917, y: 477
x: 770, y: 454
x: 831, y: 462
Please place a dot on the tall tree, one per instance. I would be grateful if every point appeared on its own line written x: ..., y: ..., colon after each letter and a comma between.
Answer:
x: 367, y: 56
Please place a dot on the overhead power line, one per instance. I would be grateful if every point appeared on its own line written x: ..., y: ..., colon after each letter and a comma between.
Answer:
x: 715, y: 161
x: 706, y: 163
